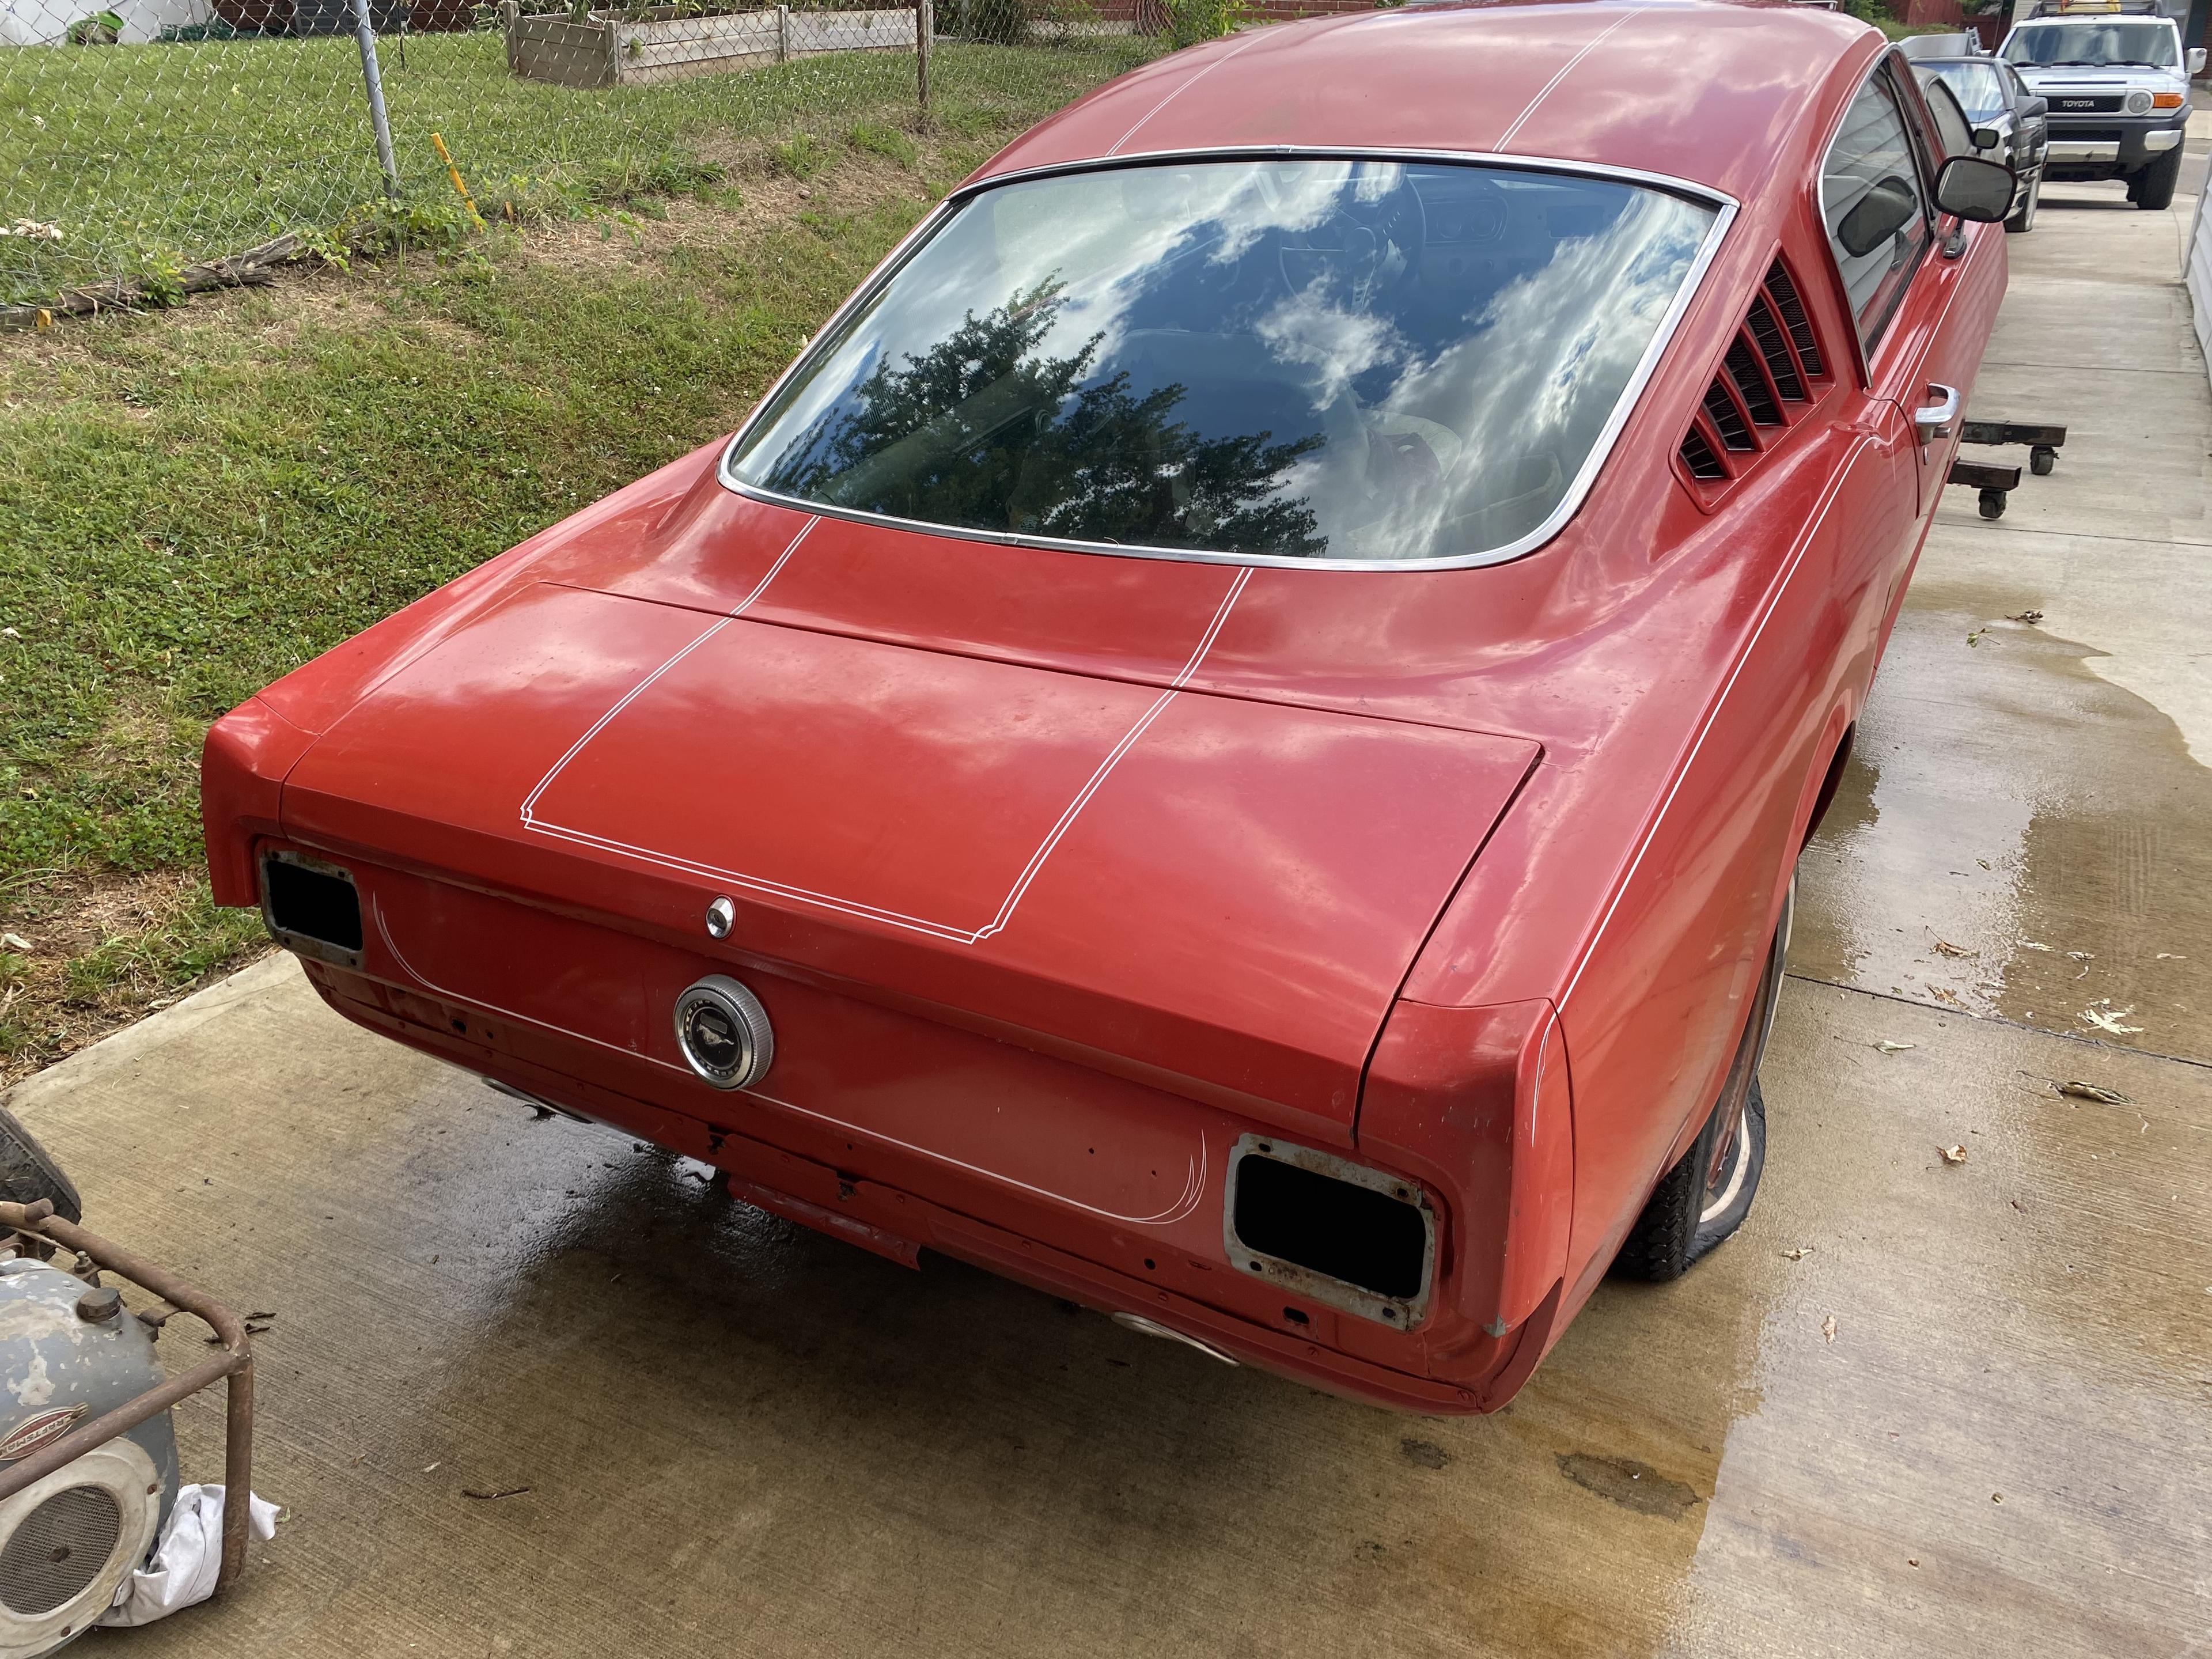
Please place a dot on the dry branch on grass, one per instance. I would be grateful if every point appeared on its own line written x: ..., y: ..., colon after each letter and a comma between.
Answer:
x: 255, y: 268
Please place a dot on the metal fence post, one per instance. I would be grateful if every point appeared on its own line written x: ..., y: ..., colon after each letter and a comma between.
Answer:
x: 365, y: 32
x: 923, y: 24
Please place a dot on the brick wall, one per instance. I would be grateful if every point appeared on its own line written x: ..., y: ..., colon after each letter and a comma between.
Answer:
x: 1924, y: 14
x: 1286, y: 11
x: 1151, y: 12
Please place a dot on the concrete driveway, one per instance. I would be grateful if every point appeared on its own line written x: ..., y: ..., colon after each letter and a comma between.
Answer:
x: 721, y: 1434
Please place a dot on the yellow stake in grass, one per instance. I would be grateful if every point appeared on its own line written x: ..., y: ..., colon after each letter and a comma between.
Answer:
x: 454, y: 173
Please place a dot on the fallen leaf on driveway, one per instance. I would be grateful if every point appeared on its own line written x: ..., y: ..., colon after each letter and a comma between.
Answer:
x: 2093, y: 1091
x: 1797, y: 1254
x: 2168, y: 955
x: 2030, y: 944
x: 487, y: 1494
x: 1943, y: 993
x: 1944, y: 947
x: 1888, y: 1048
x: 2111, y: 1022
x: 1975, y: 638
x: 1828, y: 1328
x: 2030, y: 617
x: 1953, y: 1154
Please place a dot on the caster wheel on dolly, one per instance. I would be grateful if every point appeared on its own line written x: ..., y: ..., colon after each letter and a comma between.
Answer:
x: 2041, y: 460
x: 1993, y: 503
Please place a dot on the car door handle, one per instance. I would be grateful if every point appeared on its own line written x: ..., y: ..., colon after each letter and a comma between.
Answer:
x: 1936, y: 420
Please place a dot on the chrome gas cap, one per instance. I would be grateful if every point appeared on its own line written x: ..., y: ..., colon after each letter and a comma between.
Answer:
x: 724, y: 1033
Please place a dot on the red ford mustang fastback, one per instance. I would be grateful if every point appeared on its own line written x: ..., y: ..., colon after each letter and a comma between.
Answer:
x: 1230, y: 740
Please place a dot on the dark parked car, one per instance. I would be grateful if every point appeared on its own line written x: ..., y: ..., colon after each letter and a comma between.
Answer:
x: 2004, y: 119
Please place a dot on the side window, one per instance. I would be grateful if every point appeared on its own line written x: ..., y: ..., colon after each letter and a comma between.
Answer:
x: 1875, y: 208
x: 1953, y: 124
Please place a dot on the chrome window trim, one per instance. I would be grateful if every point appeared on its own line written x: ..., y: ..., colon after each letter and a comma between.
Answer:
x: 1725, y: 210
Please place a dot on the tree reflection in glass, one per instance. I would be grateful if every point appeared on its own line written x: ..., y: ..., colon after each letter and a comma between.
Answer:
x: 985, y: 430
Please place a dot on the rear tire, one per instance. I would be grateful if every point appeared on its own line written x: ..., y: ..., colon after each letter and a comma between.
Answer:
x: 1706, y: 1196
x: 2154, y: 185
x: 28, y: 1174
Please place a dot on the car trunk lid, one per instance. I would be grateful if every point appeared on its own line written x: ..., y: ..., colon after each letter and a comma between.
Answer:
x: 1215, y: 893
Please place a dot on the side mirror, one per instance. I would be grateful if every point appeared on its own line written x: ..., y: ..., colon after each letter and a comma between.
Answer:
x: 1885, y: 209
x: 2034, y: 109
x: 2197, y: 60
x: 1986, y: 137
x: 1971, y: 188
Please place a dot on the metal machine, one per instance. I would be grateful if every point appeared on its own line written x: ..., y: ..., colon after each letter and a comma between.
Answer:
x: 87, y: 1451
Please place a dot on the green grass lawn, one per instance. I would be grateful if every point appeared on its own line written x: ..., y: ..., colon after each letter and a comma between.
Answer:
x: 178, y: 153
x: 197, y: 500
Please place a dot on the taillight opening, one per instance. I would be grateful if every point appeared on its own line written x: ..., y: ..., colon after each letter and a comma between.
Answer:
x: 1334, y: 1231
x: 312, y: 908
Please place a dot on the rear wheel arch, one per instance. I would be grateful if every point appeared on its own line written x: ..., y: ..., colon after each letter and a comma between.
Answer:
x: 1831, y: 780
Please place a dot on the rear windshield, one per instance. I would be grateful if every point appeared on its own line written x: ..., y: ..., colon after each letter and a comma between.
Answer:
x: 1324, y: 359
x: 2091, y: 45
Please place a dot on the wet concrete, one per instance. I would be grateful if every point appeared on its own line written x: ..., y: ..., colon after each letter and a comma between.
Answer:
x: 721, y: 1434
x: 736, y: 1436
x: 2024, y: 829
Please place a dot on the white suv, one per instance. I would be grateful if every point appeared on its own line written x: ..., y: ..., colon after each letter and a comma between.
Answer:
x: 2116, y: 81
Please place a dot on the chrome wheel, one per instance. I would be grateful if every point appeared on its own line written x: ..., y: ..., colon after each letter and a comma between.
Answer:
x: 1705, y: 1197
x: 1724, y: 1175
x: 1724, y: 1171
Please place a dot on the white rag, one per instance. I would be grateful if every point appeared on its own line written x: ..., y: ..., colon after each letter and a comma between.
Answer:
x: 190, y: 1556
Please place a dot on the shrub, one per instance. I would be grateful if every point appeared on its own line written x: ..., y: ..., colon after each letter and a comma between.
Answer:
x: 1190, y: 21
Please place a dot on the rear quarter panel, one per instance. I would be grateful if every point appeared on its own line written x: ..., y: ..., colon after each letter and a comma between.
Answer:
x: 1810, y: 550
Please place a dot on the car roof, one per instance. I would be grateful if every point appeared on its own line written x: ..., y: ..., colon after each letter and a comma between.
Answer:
x: 1954, y: 47
x: 2058, y: 19
x: 2121, y: 13
x: 1710, y: 91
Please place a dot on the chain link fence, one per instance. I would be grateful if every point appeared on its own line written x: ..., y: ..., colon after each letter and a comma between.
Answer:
x: 147, y: 146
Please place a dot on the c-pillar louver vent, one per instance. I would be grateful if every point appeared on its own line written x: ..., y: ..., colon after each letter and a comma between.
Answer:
x: 1772, y: 373
x: 1698, y: 455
